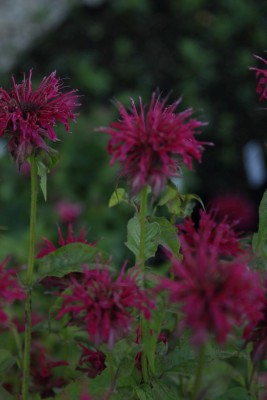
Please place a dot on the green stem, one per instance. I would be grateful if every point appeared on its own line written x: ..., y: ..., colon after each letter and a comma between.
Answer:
x: 29, y: 279
x: 143, y: 209
x: 199, y: 372
x: 144, y: 327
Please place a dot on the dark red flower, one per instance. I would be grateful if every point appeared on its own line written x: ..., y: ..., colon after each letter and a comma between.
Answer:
x: 28, y: 116
x: 261, y: 75
x: 10, y: 290
x: 92, y: 362
x: 237, y: 209
x: 49, y: 247
x: 44, y: 382
x: 150, y: 145
x: 219, y: 236
x: 104, y: 306
x: 214, y: 295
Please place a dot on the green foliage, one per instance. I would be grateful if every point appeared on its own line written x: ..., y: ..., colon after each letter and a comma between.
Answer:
x: 152, y: 237
x: 260, y: 238
x: 67, y: 259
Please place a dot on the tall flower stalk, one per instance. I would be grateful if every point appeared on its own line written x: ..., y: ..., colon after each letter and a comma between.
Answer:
x: 27, y: 120
x: 144, y: 324
x: 29, y: 279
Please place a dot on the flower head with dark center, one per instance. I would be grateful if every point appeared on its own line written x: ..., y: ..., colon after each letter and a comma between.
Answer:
x: 150, y: 144
x: 28, y: 116
x: 104, y: 306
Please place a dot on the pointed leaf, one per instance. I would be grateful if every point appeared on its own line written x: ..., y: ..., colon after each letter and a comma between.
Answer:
x: 168, y: 235
x: 67, y: 259
x: 259, y: 239
x: 118, y: 196
x: 152, y: 237
x: 42, y: 172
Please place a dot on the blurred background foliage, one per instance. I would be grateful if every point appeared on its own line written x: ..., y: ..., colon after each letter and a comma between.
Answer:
x: 198, y: 49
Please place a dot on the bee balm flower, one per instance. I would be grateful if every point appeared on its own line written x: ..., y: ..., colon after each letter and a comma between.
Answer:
x: 103, y: 306
x: 28, y: 116
x: 151, y: 143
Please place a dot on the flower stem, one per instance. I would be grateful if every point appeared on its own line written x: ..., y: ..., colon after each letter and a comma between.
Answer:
x: 144, y: 327
x: 29, y: 279
x: 199, y: 372
x: 143, y: 209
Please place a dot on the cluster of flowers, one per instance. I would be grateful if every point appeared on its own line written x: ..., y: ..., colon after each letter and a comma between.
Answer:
x: 212, y: 285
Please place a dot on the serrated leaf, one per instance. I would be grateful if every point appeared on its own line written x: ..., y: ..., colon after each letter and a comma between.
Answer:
x: 67, y: 259
x: 158, y: 390
x: 168, y: 235
x: 152, y: 237
x: 118, y: 196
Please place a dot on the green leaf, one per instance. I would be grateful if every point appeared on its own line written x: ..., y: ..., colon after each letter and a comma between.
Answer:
x: 118, y: 196
x: 67, y: 259
x: 6, y: 360
x: 73, y: 390
x: 152, y: 237
x: 259, y: 239
x: 42, y: 172
x: 168, y: 235
x: 158, y: 390
x: 170, y: 194
x: 236, y: 393
x: 5, y: 395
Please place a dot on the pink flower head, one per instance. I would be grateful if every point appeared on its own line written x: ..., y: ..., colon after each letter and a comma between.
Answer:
x: 216, y: 236
x: 261, y: 75
x: 214, y: 295
x: 85, y: 396
x: 68, y: 212
x: 10, y: 289
x: 104, y: 306
x: 92, y: 362
x: 147, y: 144
x: 49, y: 247
x: 28, y: 116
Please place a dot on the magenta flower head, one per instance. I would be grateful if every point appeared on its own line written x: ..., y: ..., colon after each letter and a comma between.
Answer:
x: 219, y: 236
x: 151, y: 143
x: 49, y: 247
x: 261, y: 75
x: 28, y: 116
x: 10, y: 289
x: 215, y: 295
x: 104, y: 306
